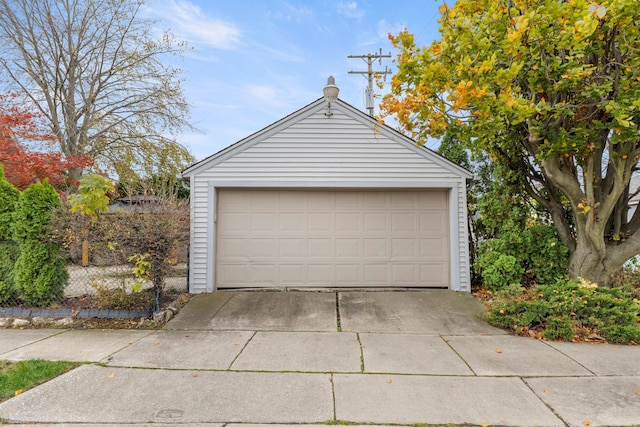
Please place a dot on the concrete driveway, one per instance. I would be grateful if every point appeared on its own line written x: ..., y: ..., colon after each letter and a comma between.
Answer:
x: 415, y: 312
x: 313, y: 358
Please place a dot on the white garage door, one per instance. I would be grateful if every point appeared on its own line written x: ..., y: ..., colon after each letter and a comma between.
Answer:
x: 308, y: 238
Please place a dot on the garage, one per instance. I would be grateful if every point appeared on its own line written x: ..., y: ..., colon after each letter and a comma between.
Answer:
x: 327, y: 197
x: 306, y: 238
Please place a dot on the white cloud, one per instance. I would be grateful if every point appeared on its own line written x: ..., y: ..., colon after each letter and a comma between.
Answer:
x: 384, y: 28
x: 262, y: 92
x: 350, y: 9
x: 291, y: 13
x: 380, y: 36
x: 189, y: 22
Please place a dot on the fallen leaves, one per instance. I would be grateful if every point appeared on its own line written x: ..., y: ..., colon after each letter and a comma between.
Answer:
x: 18, y: 392
x: 111, y: 376
x: 586, y: 423
x: 498, y: 350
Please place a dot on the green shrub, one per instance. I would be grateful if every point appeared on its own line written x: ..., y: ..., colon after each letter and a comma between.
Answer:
x: 534, y: 252
x: 9, y: 196
x: 543, y: 255
x: 568, y: 308
x: 559, y: 328
x: 621, y: 334
x: 9, y: 253
x: 33, y: 212
x: 499, y: 270
x: 40, y: 274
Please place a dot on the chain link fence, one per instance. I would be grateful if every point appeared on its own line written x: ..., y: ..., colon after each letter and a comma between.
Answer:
x: 107, y: 272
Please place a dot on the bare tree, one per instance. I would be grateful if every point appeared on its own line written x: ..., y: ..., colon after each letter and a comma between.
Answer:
x: 95, y: 71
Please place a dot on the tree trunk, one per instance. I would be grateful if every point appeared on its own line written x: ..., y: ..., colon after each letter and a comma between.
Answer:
x: 586, y: 263
x: 76, y: 173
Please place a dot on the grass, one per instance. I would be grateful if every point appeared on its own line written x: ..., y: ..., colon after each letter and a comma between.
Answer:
x: 20, y: 376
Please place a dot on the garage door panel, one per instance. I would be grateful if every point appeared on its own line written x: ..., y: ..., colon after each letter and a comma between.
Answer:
x: 320, y: 247
x: 405, y: 200
x: 263, y: 275
x: 348, y: 199
x: 321, y: 200
x: 349, y: 247
x: 263, y: 222
x: 320, y: 274
x: 376, y: 200
x: 262, y: 248
x: 434, y: 273
x: 349, y: 274
x: 292, y: 247
x: 432, y: 200
x: 293, y: 222
x: 273, y: 238
x: 404, y: 248
x: 376, y: 274
x: 292, y: 200
x: 291, y: 274
x: 376, y: 248
x: 233, y: 274
x: 401, y: 274
x: 348, y: 222
x: 238, y: 200
x: 376, y: 222
x: 434, y: 223
x: 233, y: 248
x: 403, y: 222
x: 258, y: 200
x: 434, y: 248
x: 320, y: 222
x: 234, y: 221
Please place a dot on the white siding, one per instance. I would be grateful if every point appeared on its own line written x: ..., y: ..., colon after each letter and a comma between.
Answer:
x: 327, y: 150
x: 308, y: 149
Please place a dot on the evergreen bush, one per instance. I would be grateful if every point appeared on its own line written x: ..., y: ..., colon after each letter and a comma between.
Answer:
x: 9, y: 196
x: 40, y: 272
x: 33, y: 212
x: 9, y: 253
x: 571, y: 308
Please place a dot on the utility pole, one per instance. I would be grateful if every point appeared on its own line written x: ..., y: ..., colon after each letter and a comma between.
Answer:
x: 369, y: 59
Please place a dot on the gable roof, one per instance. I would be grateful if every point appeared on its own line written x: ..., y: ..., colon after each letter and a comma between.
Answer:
x: 309, y: 110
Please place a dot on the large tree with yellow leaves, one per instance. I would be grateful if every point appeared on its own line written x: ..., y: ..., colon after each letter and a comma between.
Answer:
x: 551, y: 89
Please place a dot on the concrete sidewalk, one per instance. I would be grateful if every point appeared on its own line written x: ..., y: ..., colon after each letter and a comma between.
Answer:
x: 324, y: 357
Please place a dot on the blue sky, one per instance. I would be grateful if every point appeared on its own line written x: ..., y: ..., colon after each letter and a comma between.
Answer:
x: 253, y: 62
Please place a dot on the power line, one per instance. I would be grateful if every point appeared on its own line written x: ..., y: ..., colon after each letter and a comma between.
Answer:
x: 369, y: 59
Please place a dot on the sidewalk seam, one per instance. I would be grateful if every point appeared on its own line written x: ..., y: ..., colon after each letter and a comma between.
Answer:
x: 338, y: 320
x: 361, y: 353
x: 241, y: 350
x: 446, y: 341
x: 333, y: 396
x: 570, y: 358
x: 109, y: 357
x: 62, y: 331
x: 526, y: 384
